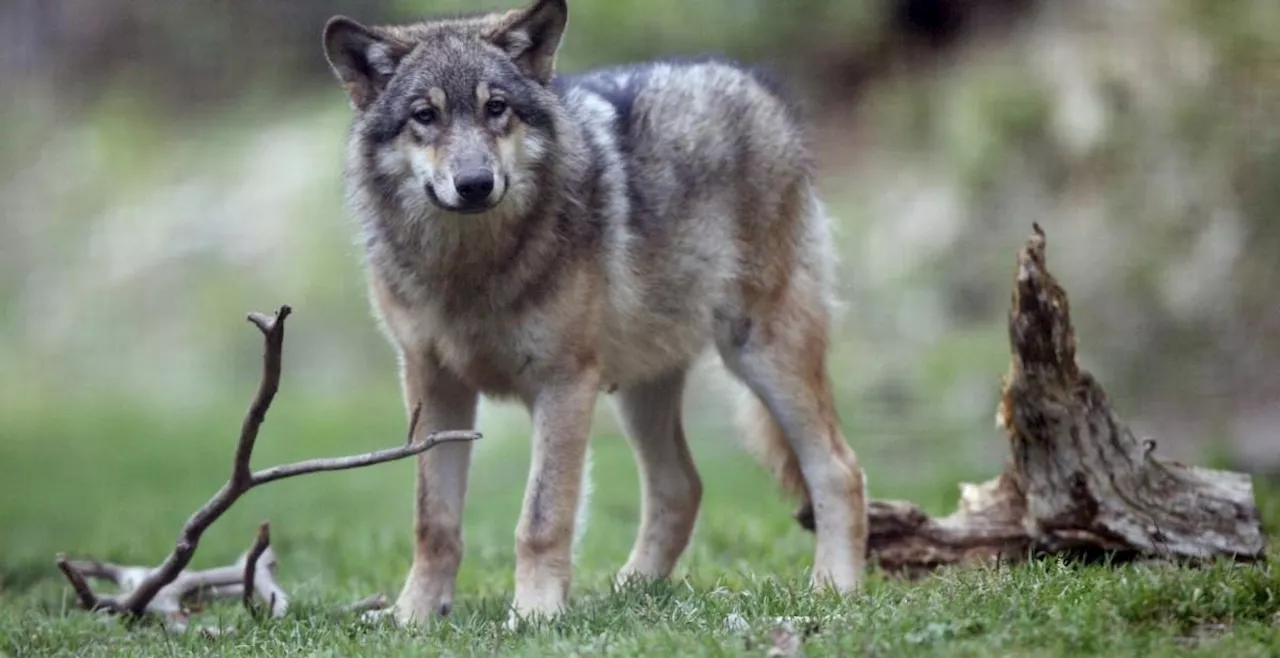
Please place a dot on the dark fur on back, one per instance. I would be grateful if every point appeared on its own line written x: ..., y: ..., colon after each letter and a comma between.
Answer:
x: 622, y: 96
x: 621, y: 85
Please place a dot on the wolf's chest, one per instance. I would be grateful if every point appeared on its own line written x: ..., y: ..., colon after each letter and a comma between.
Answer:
x: 514, y: 360
x: 497, y: 362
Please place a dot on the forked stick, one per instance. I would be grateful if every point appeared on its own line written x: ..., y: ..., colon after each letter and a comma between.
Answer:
x: 144, y: 590
x: 171, y: 603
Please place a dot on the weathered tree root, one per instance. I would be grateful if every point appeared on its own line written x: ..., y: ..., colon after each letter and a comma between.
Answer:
x: 1077, y: 480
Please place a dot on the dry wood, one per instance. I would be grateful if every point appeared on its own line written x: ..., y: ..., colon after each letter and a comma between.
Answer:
x: 172, y: 603
x: 1077, y: 480
x: 251, y: 566
x: 167, y: 590
x: 371, y: 604
x: 260, y: 578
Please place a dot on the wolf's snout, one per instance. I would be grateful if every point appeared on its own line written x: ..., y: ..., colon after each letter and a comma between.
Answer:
x: 474, y: 186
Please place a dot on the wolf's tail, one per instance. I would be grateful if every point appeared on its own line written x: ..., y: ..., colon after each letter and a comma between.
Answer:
x: 764, y: 439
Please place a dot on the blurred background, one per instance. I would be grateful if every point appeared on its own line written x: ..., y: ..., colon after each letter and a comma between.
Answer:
x: 167, y: 166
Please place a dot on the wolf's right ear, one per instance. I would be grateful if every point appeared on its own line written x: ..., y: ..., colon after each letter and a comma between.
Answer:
x: 363, y: 59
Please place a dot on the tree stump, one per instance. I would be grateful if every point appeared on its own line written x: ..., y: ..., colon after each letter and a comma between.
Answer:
x: 1077, y: 480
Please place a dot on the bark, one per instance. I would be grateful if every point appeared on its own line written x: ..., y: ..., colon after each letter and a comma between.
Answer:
x: 1077, y: 481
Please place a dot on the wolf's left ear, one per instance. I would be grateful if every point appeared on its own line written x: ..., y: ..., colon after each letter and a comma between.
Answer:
x: 362, y: 58
x: 532, y: 36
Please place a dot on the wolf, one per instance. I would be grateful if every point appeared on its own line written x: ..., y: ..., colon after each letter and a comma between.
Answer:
x: 547, y: 238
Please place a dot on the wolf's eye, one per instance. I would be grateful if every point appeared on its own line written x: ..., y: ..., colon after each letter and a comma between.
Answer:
x: 426, y: 116
x: 495, y: 107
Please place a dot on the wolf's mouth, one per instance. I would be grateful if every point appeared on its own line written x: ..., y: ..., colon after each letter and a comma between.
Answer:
x: 476, y: 208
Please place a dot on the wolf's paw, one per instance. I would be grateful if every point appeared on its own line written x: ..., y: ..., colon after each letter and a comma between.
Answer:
x: 410, y: 611
x: 515, y: 619
x: 533, y: 612
x: 420, y: 603
x: 636, y: 575
x: 513, y: 622
x: 845, y: 579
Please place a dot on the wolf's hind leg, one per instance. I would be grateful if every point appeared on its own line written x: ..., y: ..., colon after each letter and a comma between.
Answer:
x: 778, y: 348
x: 670, y: 488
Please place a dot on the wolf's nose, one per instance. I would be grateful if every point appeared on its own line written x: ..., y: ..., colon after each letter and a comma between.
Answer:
x: 474, y: 185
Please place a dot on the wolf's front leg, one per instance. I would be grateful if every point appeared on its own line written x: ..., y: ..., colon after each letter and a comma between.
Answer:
x: 544, y: 537
x: 447, y: 404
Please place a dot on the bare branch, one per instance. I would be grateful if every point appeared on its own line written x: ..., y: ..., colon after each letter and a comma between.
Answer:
x: 265, y: 586
x: 260, y: 546
x: 204, y: 595
x: 208, y: 584
x: 167, y: 589
x: 88, y: 600
x: 100, y: 570
x: 356, y: 461
x: 188, y: 587
x: 413, y: 423
x: 273, y: 334
x: 378, y: 601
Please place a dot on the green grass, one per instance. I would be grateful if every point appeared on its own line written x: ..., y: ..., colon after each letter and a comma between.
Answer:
x: 116, y: 483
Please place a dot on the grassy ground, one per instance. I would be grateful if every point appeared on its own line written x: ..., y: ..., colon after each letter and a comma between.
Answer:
x: 114, y: 483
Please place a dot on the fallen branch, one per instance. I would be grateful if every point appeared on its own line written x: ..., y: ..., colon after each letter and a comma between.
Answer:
x: 371, y: 604
x: 1077, y: 480
x: 167, y: 590
x: 251, y: 582
x: 172, y: 602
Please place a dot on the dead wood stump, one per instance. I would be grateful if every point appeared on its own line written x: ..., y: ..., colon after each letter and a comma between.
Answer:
x: 1077, y: 480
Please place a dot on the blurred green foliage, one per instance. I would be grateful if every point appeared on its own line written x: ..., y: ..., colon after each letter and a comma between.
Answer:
x: 185, y: 54
x: 168, y: 166
x: 146, y: 211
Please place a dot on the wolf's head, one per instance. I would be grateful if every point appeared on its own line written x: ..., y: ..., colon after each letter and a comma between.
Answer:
x: 453, y: 112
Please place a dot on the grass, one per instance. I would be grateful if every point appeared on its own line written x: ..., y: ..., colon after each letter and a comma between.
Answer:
x: 115, y: 482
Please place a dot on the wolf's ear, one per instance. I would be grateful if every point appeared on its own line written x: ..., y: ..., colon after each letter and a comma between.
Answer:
x: 363, y: 59
x: 532, y: 36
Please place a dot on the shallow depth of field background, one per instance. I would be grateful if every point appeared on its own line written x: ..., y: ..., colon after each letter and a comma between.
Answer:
x: 166, y: 167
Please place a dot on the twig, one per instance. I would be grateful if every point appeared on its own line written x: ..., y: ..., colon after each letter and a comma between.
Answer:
x: 88, y: 600
x: 165, y: 589
x: 413, y: 422
x: 251, y: 565
x: 342, y: 463
x: 272, y: 329
x: 265, y: 586
x: 376, y: 602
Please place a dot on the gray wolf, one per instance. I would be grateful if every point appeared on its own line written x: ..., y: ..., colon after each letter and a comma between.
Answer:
x: 547, y: 238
